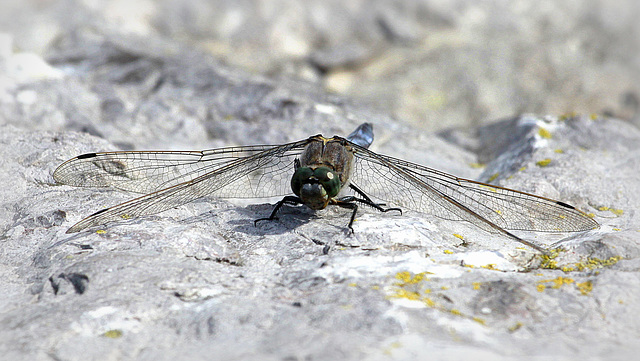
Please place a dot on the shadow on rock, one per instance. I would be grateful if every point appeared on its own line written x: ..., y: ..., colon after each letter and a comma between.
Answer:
x: 257, y: 223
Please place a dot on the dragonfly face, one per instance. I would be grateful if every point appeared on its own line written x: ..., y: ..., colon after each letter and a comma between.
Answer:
x: 321, y: 171
x: 315, y: 187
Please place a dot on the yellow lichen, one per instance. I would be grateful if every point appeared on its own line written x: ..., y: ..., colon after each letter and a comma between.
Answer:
x: 476, y: 285
x: 568, y: 115
x: 543, y: 163
x: 407, y: 278
x: 544, y: 133
x: 388, y: 350
x: 593, y: 263
x: 585, y: 287
x: 429, y: 302
x: 407, y: 289
x: 458, y: 236
x: 547, y: 260
x: 493, y: 177
x: 515, y: 327
x: 556, y: 282
x: 560, y: 281
x: 559, y: 151
x: 113, y: 334
x: 617, y: 212
x: 410, y: 295
x: 404, y: 276
x: 446, y: 251
x: 490, y: 266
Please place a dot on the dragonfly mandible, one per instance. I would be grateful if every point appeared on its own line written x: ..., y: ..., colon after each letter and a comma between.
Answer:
x: 316, y: 172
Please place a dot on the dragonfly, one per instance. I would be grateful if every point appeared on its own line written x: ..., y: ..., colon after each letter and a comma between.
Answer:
x: 316, y: 172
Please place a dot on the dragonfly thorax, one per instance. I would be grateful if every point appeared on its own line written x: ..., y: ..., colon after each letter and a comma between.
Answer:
x: 315, y: 187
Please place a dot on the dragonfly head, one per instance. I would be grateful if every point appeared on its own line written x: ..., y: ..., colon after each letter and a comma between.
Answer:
x: 315, y: 187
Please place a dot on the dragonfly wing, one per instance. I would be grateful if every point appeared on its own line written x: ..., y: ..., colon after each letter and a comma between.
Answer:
x: 150, y: 171
x: 147, y: 171
x: 362, y: 136
x: 265, y: 173
x: 493, y: 208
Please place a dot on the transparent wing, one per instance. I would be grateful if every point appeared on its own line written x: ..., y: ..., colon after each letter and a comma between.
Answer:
x: 362, y: 136
x: 495, y: 209
x: 147, y: 171
x: 150, y: 171
x: 238, y: 172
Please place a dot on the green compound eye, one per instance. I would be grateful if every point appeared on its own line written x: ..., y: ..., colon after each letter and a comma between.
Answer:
x: 299, y: 178
x: 329, y: 180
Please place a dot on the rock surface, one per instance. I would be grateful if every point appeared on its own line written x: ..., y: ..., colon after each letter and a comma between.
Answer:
x: 201, y: 281
x: 432, y: 64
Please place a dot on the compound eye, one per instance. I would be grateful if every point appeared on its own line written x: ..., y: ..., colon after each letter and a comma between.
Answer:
x: 300, y: 177
x: 329, y: 180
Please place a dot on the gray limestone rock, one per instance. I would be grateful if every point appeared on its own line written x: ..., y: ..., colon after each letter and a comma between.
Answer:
x: 201, y: 281
x: 432, y: 64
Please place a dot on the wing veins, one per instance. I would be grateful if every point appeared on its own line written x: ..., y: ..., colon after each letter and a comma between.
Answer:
x: 200, y: 186
x: 147, y: 171
x: 530, y: 209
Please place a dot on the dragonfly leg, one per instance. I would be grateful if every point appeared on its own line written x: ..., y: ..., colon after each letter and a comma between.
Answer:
x: 292, y: 200
x: 366, y: 200
x: 348, y: 202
